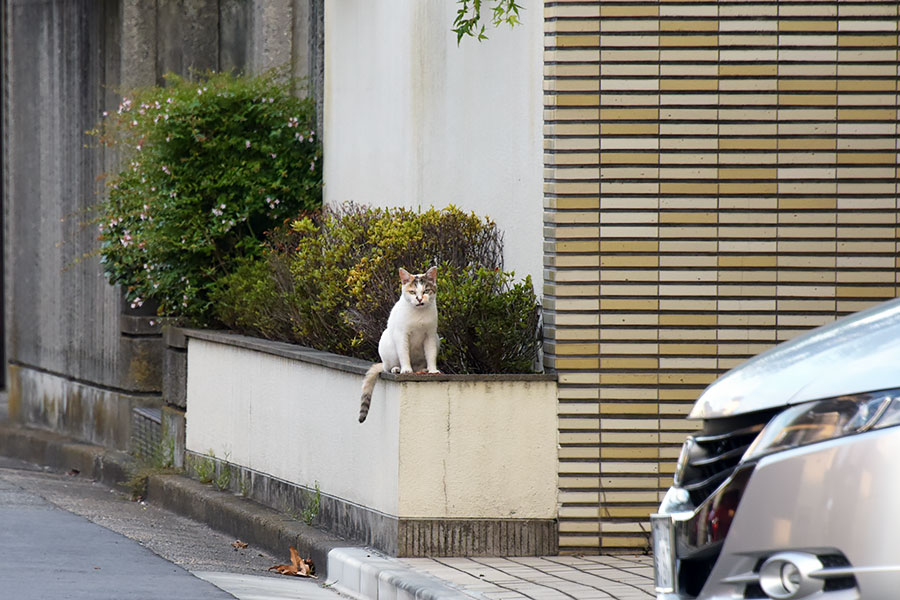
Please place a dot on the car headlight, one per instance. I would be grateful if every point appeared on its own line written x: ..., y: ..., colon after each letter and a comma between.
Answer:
x: 823, y: 420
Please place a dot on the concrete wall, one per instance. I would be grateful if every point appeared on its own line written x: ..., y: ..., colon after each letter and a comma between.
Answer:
x: 413, y: 120
x: 62, y: 317
x: 64, y: 60
x: 434, y: 448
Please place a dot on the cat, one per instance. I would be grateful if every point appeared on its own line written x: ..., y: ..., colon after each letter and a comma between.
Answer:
x: 410, y: 342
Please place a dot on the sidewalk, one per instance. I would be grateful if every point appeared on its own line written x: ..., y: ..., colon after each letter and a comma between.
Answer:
x: 361, y: 573
x: 588, y: 577
x: 357, y: 572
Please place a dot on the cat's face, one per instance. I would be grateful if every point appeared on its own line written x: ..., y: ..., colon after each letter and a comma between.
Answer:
x: 419, y: 290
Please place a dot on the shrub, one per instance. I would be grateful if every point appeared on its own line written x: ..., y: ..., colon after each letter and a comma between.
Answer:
x: 252, y: 306
x: 210, y: 165
x: 488, y: 323
x: 335, y: 281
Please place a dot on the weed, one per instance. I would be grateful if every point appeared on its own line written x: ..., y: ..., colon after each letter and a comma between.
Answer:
x: 223, y: 478
x: 313, y: 503
x: 204, y: 468
x: 136, y: 484
x: 163, y: 454
x: 160, y: 462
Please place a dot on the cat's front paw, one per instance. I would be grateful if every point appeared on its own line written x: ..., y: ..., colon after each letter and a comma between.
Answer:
x: 405, y: 371
x: 395, y: 370
x: 433, y: 372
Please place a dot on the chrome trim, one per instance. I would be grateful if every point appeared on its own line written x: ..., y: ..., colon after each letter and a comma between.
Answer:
x: 683, y: 459
x: 697, y: 485
x: 833, y: 572
x: 664, y: 556
x: 882, y: 408
x: 703, y: 462
x: 718, y: 437
x: 742, y: 579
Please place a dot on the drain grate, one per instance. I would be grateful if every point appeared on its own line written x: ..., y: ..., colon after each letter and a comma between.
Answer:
x: 146, y: 432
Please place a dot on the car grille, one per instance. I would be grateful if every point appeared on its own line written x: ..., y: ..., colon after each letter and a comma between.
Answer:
x: 713, y: 454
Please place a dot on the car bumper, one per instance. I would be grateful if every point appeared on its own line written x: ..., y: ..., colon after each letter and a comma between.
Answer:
x: 833, y: 499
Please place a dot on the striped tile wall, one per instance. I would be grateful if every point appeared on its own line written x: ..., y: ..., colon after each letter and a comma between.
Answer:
x: 719, y: 176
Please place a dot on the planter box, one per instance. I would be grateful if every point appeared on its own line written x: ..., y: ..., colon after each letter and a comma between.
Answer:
x: 444, y: 465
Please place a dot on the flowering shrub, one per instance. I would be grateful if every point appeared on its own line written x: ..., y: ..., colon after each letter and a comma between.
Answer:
x: 332, y: 280
x: 208, y: 167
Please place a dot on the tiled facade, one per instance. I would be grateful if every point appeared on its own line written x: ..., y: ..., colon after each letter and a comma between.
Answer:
x: 719, y: 176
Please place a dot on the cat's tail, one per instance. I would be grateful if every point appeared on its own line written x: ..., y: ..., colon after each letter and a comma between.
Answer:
x: 368, y: 386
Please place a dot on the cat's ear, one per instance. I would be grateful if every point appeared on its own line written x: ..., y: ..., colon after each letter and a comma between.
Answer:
x: 405, y: 277
x: 431, y: 275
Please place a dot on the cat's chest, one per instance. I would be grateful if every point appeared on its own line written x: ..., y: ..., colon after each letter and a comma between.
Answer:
x: 414, y: 318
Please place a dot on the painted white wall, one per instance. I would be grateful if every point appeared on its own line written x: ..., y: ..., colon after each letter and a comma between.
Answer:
x: 294, y: 421
x: 478, y: 449
x: 413, y: 120
x: 451, y: 449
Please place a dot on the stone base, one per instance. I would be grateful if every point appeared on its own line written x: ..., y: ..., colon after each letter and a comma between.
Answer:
x: 174, y: 377
x: 392, y: 535
x: 84, y: 412
x: 173, y: 434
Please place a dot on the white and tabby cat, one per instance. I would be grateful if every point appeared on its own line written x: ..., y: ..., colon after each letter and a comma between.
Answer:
x: 409, y: 343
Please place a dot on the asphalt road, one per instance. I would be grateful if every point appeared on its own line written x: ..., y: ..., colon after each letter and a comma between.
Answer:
x: 63, y: 537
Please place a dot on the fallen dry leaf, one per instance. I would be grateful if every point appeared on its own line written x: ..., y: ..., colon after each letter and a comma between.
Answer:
x: 239, y: 545
x: 299, y: 567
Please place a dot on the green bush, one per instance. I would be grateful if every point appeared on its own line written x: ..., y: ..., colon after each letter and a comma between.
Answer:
x: 488, y: 323
x: 335, y: 281
x: 209, y: 166
x: 253, y: 301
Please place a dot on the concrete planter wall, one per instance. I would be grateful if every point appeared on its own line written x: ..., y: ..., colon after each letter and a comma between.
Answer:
x: 444, y: 465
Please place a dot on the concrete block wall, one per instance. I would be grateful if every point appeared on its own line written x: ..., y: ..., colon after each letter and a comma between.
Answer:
x: 719, y: 176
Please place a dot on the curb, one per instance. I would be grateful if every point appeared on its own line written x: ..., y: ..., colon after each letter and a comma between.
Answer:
x: 365, y: 575
x: 358, y: 572
x: 109, y: 467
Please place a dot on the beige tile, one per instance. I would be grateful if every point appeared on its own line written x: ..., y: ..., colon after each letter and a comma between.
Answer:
x: 867, y: 10
x: 613, y: 10
x: 867, y: 41
x: 748, y: 9
x: 867, y: 56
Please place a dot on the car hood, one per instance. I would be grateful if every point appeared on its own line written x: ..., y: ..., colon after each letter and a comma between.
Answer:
x: 859, y: 353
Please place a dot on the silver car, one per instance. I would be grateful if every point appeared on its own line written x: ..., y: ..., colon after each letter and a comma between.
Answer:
x: 792, y: 488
